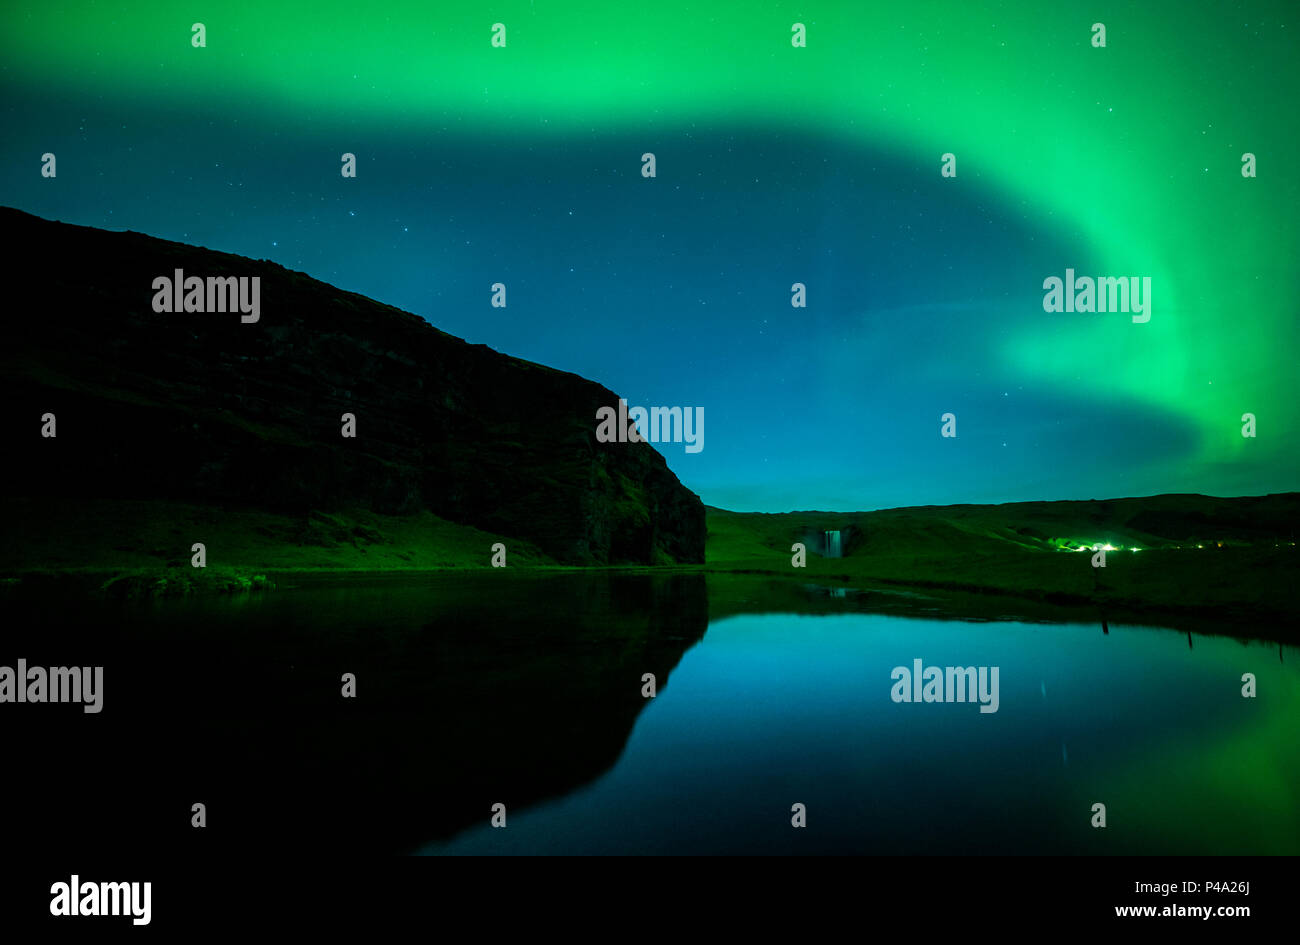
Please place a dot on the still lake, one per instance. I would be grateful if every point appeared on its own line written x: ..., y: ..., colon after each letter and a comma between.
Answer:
x: 526, y: 690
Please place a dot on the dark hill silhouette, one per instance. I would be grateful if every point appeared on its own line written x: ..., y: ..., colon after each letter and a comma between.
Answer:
x: 201, y: 408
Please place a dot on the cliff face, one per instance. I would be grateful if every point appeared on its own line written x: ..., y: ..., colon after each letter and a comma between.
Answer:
x: 201, y: 407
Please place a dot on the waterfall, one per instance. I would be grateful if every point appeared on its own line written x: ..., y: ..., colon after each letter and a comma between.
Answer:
x: 833, y: 545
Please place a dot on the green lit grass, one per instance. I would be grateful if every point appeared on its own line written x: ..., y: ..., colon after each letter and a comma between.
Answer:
x: 125, y: 535
x: 1015, y: 550
x: 142, y: 548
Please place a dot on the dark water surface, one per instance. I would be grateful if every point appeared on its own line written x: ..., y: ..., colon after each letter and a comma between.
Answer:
x: 479, y: 688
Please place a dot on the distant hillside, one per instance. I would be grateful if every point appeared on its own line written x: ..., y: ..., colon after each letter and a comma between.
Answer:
x: 1161, y: 521
x: 1236, y: 557
x: 202, y: 409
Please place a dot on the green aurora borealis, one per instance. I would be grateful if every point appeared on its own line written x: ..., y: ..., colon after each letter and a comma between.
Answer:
x: 1129, y: 157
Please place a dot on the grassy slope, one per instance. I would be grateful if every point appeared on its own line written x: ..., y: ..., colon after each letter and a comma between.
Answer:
x: 151, y: 540
x: 1010, y: 549
x: 1014, y: 549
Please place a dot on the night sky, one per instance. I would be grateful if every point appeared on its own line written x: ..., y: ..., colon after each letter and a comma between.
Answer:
x: 775, y: 165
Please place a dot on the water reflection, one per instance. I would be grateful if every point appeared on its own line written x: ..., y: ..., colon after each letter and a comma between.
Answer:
x: 474, y: 689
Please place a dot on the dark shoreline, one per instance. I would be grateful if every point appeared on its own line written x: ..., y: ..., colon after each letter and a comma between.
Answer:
x: 766, y: 590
